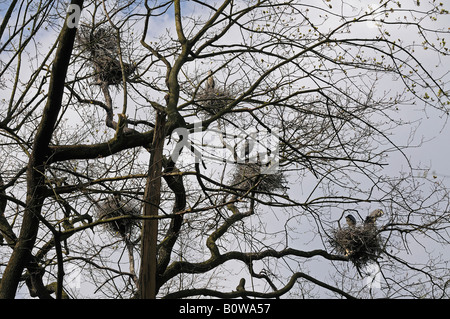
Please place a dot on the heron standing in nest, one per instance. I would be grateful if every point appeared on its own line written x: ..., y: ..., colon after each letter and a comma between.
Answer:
x: 210, y: 84
x: 351, y: 221
x: 372, y: 217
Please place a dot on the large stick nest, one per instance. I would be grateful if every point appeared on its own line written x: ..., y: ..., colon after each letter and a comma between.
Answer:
x: 362, y: 244
x: 248, y: 176
x: 113, y: 207
x: 213, y: 100
x: 99, y: 45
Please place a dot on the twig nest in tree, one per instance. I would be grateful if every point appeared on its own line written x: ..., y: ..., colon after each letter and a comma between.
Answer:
x: 110, y: 71
x: 249, y: 176
x: 97, y: 40
x: 213, y: 100
x: 362, y: 244
x: 99, y: 46
x: 124, y: 215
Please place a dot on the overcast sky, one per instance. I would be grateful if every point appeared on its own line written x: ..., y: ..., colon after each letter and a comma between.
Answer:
x: 433, y: 154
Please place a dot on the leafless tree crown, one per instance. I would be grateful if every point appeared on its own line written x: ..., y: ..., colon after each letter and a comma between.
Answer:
x: 133, y: 162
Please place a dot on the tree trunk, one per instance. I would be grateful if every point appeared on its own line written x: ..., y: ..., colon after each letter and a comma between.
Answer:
x: 36, y: 165
x: 152, y: 196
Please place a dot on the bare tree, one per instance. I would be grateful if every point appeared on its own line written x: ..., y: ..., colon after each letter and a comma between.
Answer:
x: 173, y: 149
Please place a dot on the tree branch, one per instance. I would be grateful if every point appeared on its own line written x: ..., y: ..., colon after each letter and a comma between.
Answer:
x: 246, y: 293
x: 39, y: 155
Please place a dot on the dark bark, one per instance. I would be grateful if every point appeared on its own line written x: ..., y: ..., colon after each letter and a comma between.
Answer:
x: 152, y: 198
x: 36, y: 165
x: 175, y: 183
x: 245, y: 294
x: 6, y: 232
x: 7, y: 17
